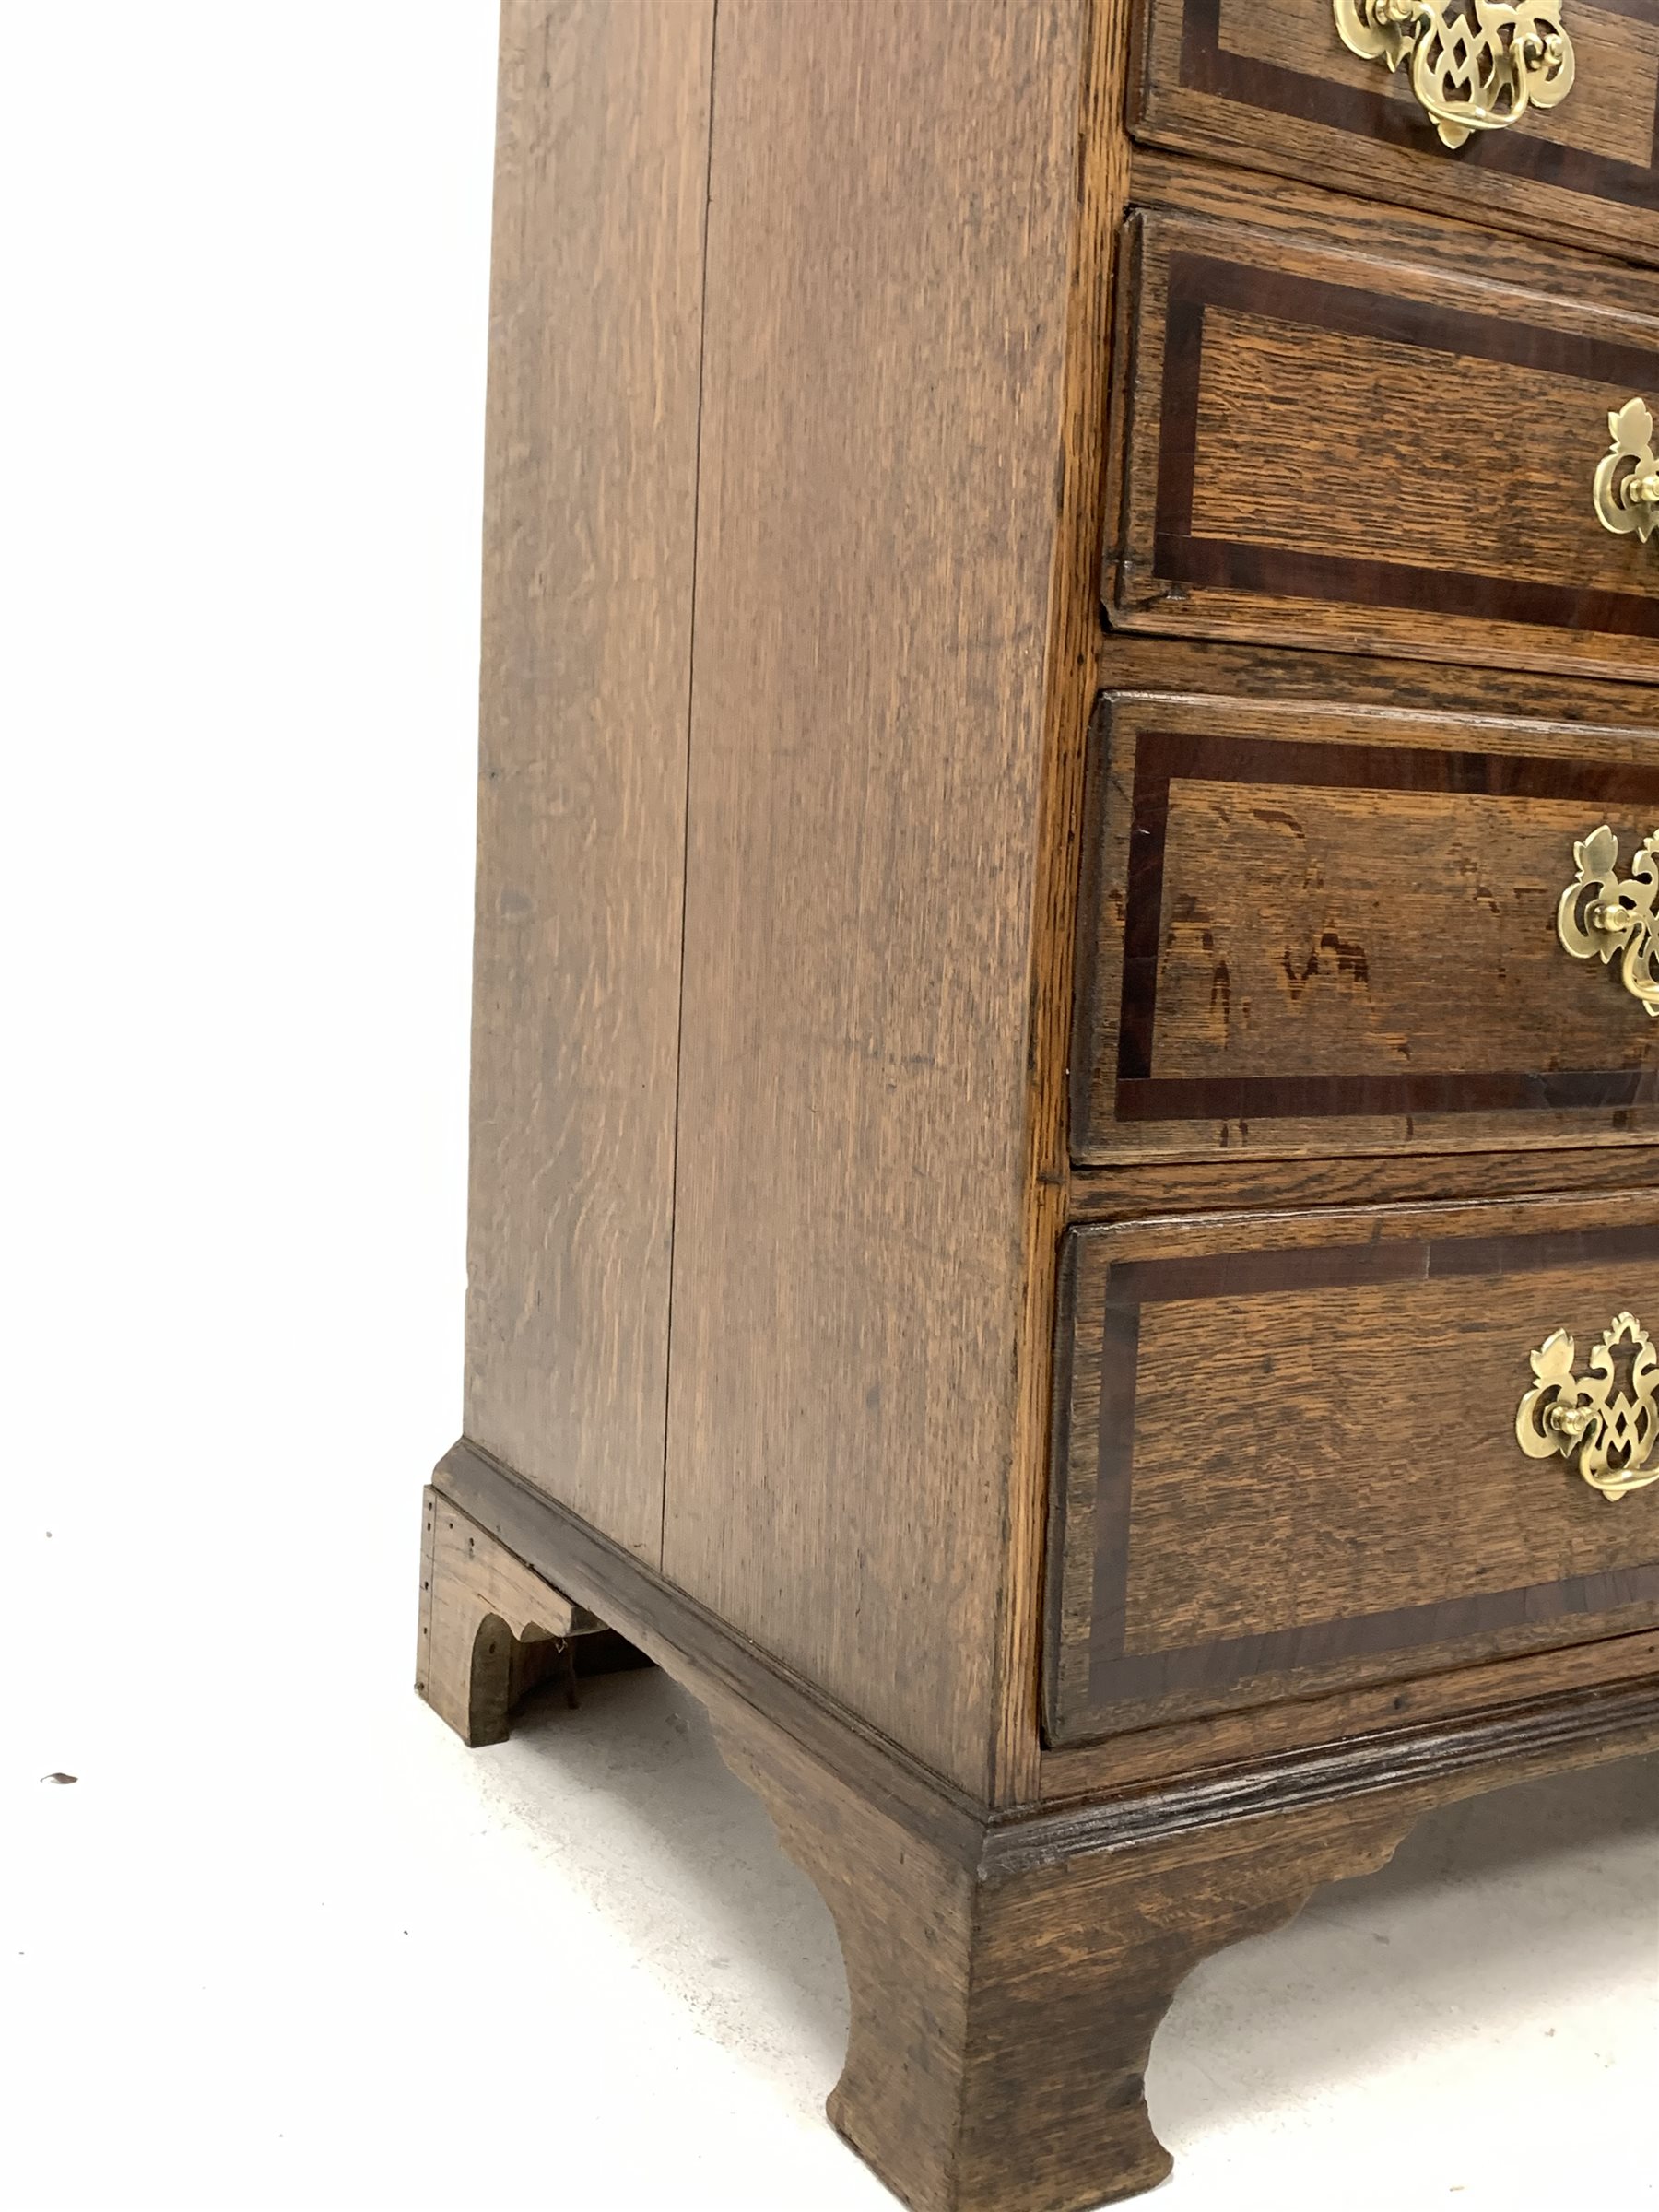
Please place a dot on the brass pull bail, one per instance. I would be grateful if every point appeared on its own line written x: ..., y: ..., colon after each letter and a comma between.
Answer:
x: 1476, y: 64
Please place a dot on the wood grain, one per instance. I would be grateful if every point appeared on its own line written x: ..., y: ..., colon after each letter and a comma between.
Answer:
x: 1126, y: 1193
x: 1321, y: 216
x: 1310, y: 929
x: 1609, y: 114
x: 1009, y: 1970
x: 793, y: 623
x: 1220, y: 1554
x: 893, y: 215
x: 675, y: 1632
x: 1465, y: 976
x: 1168, y: 1748
x: 1261, y: 498
x: 1073, y: 638
x: 1208, y: 668
x: 590, y: 494
x: 1274, y: 88
x: 1003, y: 2012
x: 490, y: 1627
x: 1287, y: 1449
x: 1477, y: 1703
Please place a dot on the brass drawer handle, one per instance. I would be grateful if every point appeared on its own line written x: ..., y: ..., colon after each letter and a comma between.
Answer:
x: 1602, y: 912
x: 1626, y: 483
x: 1476, y: 64
x: 1610, y: 1421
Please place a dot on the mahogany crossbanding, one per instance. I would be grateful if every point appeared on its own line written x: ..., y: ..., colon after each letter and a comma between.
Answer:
x: 1162, y: 757
x: 1199, y: 283
x: 1217, y: 1528
x: 1209, y: 65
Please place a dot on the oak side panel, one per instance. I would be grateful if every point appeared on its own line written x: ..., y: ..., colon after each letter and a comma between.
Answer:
x: 590, y: 506
x: 892, y: 209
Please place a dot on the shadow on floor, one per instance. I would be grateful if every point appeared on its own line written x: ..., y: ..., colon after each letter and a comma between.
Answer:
x: 1497, y: 1917
x: 1523, y: 1897
x: 678, y: 1833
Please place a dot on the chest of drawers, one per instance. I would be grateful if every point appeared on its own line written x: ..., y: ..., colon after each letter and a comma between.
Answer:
x: 1064, y: 1215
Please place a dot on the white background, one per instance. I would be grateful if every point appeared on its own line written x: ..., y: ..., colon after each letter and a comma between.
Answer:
x: 284, y: 1943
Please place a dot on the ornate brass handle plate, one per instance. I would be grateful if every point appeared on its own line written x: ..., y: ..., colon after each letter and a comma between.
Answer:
x: 1626, y: 483
x: 1476, y: 64
x: 1609, y: 1419
x: 1602, y: 912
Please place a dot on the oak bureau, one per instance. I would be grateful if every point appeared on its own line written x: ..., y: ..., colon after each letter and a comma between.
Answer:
x: 1064, y: 1200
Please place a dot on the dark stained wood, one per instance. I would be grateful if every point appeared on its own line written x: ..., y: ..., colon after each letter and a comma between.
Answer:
x: 893, y: 220
x: 590, y: 494
x: 1337, y: 931
x: 1288, y: 1462
x: 1260, y: 498
x: 1276, y: 88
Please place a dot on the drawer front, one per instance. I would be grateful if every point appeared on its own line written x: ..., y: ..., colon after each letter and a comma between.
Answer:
x: 1276, y: 87
x: 1339, y: 930
x: 1288, y: 1455
x: 1354, y: 453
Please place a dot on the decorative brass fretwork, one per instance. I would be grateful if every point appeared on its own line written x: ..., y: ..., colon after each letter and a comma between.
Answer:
x: 1476, y: 64
x: 1626, y: 483
x: 1610, y: 1420
x: 1603, y: 912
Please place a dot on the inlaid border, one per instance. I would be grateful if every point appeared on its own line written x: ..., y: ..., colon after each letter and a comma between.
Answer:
x: 1162, y: 757
x: 1208, y: 66
x: 1199, y: 281
x: 1117, y: 1677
